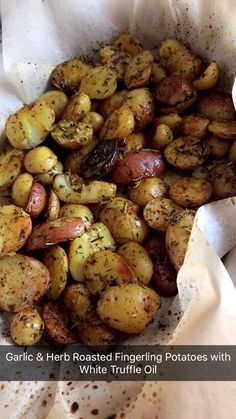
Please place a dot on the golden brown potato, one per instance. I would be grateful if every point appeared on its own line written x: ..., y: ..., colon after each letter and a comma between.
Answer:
x: 94, y: 119
x: 24, y: 280
x: 141, y: 103
x: 53, y: 232
x: 47, y: 178
x: 223, y: 129
x: 37, y: 200
x: 96, y: 333
x: 11, y: 164
x: 77, y: 299
x: 68, y: 75
x: 30, y: 125
x: 26, y: 327
x: 55, y: 259
x: 138, y: 70
x: 223, y: 180
x: 158, y: 211
x: 164, y: 278
x: 147, y: 189
x: 176, y: 58
x: 99, y: 83
x: 78, y: 211
x: 74, y: 159
x: 72, y: 135
x: 173, y: 90
x: 40, y: 160
x: 53, y: 208
x: 21, y: 189
x: 215, y: 106
x: 116, y: 59
x: 15, y: 228
x: 137, y: 258
x: 56, y: 325
x: 218, y: 148
x: 194, y: 126
x: 78, y: 106
x: 173, y: 120
x: 190, y: 192
x: 128, y: 43
x: 161, y: 136
x: 134, y: 142
x: 128, y: 308
x: 56, y: 99
x: 98, y: 237
x: 71, y: 188
x: 183, y: 219
x: 186, y: 153
x: 177, y: 239
x: 135, y: 166
x: 112, y: 103
x: 119, y: 124
x: 158, y: 73
x: 208, y: 78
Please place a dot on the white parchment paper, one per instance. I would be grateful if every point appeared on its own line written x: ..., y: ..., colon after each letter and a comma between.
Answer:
x: 36, y: 36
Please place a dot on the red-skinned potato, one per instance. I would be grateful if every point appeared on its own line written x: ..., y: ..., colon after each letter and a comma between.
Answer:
x: 53, y: 232
x: 37, y: 200
x: 172, y: 90
x: 137, y: 165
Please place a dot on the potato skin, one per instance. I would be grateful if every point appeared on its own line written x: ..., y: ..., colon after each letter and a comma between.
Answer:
x: 77, y: 299
x: 223, y: 129
x: 40, y: 160
x: 53, y: 207
x: 53, y: 232
x: 138, y: 70
x: 147, y: 189
x: 128, y: 308
x: 24, y: 281
x: 161, y: 136
x: 172, y: 120
x: 119, y: 125
x: 186, y: 153
x: 15, y: 228
x: 115, y: 59
x: 141, y: 103
x: 215, y: 105
x: 55, y: 259
x: 128, y: 43
x: 21, y: 189
x: 137, y: 258
x: 177, y: 239
x: 137, y: 165
x: 72, y: 135
x: 183, y: 219
x: 173, y: 90
x: 78, y: 211
x: 164, y: 279
x: 208, y: 78
x: 37, y: 200
x: 190, y: 192
x: 98, y: 83
x: 56, y: 99
x: 55, y: 322
x: 155, y: 246
x: 26, y: 327
x: 158, y: 211
x: 78, y: 106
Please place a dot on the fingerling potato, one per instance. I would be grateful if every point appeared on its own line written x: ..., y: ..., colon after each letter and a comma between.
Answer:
x: 208, y: 78
x: 74, y: 158
x: 172, y: 120
x: 21, y: 189
x: 138, y: 70
x: 96, y: 333
x: 40, y: 160
x: 112, y: 103
x: 77, y: 299
x: 94, y: 119
x: 190, y: 192
x: 223, y: 129
x: 183, y: 219
x: 215, y: 105
x: 26, y: 327
x: 11, y: 165
x: 161, y: 136
x: 177, y: 239
x: 56, y: 99
x: 187, y: 153
x: 115, y: 59
x: 78, y: 106
x: 72, y: 135
x: 135, y: 141
x: 147, y: 189
x: 37, y: 200
x: 128, y: 43
x: 119, y: 124
x: 55, y: 259
x: 98, y: 83
x: 218, y: 148
x: 173, y: 90
x: 47, y: 178
x: 155, y: 246
x: 223, y: 180
x: 158, y: 211
x: 141, y: 103
x: 53, y: 207
x: 68, y: 75
x: 77, y: 211
x: 139, y: 261
x: 56, y: 325
x: 194, y: 126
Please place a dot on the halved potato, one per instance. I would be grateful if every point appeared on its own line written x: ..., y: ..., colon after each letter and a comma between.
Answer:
x: 37, y: 200
x: 72, y: 135
x: 187, y: 153
x: 134, y: 142
x: 223, y: 129
x: 223, y: 179
x: 26, y: 327
x: 78, y: 211
x: 119, y: 124
x: 183, y: 219
x: 11, y: 165
x: 24, y: 280
x: 147, y: 189
x: 56, y: 325
x: 161, y: 136
x: 53, y: 207
x: 173, y: 90
x: 215, y: 106
x: 55, y: 259
x: 21, y: 189
x: 40, y: 160
x: 116, y: 59
x: 137, y: 258
x: 112, y: 103
x: 68, y: 75
x: 98, y: 83
x: 94, y: 119
x: 56, y: 99
x: 78, y: 300
x: 158, y: 212
x: 208, y: 78
x: 138, y: 70
x: 177, y: 239
x: 218, y: 148
x: 172, y: 120
x: 190, y: 192
x: 194, y: 125
x: 141, y: 103
x: 78, y: 106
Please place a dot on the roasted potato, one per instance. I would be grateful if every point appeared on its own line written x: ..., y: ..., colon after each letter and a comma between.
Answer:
x: 96, y: 333
x: 72, y: 135
x: 100, y: 160
x: 47, y: 178
x: 72, y: 189
x: 173, y: 90
x: 40, y: 160
x: 26, y: 327
x: 11, y: 165
x: 56, y: 99
x: 94, y: 119
x: 74, y: 159
x: 116, y: 59
x: 158, y: 73
x: 21, y: 189
x: 77, y: 299
x: 180, y: 107
x: 53, y: 207
x: 128, y: 308
x: 97, y: 238
x: 78, y: 106
x: 172, y: 120
x: 215, y: 106
x: 209, y: 78
x: 119, y: 124
x: 37, y: 200
x: 53, y: 232
x: 135, y: 166
x: 223, y: 129
x: 218, y: 148
x: 176, y: 58
x: 112, y: 103
x: 190, y: 192
x: 56, y: 325
x: 223, y: 180
x: 98, y: 83
x: 141, y: 103
x: 24, y: 280
x: 177, y: 239
x: 77, y: 211
x: 15, y: 228
x: 128, y: 43
x: 186, y: 153
x: 194, y: 126
x: 137, y: 258
x: 164, y: 279
x: 30, y: 125
x: 55, y: 259
x: 147, y: 189
x: 68, y: 75
x: 134, y: 142
x: 183, y: 219
x: 158, y: 211
x: 138, y: 70
x: 161, y: 136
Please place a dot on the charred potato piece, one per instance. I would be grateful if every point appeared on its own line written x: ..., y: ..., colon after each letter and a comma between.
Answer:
x: 47, y: 178
x: 55, y: 259
x: 112, y: 103
x: 147, y: 189
x: 134, y: 142
x: 78, y: 300
x: 24, y: 280
x: 190, y: 192
x: 78, y: 106
x: 40, y: 160
x: 186, y: 153
x: 115, y: 59
x: 119, y: 125
x: 94, y: 119
x: 100, y: 160
x: 139, y: 261
x: 15, y: 228
x: 74, y: 159
x: 72, y: 135
x: 99, y: 83
x: 56, y: 99
x: 215, y: 106
x: 11, y: 165
x: 128, y: 308
x: 158, y: 211
x: 173, y: 90
x: 164, y: 279
x: 138, y: 70
x: 141, y: 103
x: 161, y: 136
x: 53, y: 232
x: 176, y: 58
x: 177, y: 239
x: 37, y: 200
x: 223, y: 180
x: 223, y: 129
x: 68, y: 75
x: 194, y: 126
x: 21, y: 189
x: 208, y: 78
x: 218, y: 148
x: 77, y: 211
x: 105, y: 268
x: 158, y: 73
x: 135, y: 166
x: 128, y: 43
x: 26, y: 327
x: 172, y: 120
x: 53, y: 208
x: 56, y: 326
x: 183, y: 219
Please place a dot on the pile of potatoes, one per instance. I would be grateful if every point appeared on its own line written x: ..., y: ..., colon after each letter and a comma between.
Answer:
x: 101, y: 178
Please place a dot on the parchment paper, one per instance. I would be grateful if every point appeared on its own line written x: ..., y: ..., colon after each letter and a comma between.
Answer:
x: 36, y: 36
